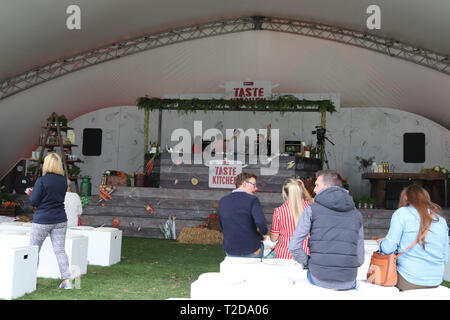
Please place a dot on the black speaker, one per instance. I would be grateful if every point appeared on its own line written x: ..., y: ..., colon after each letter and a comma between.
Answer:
x: 393, y: 190
x: 414, y: 147
x: 92, y: 142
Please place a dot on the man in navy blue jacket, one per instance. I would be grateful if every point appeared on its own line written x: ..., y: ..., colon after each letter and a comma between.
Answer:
x: 242, y: 220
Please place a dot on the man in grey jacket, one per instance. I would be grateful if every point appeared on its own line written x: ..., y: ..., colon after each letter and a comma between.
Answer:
x: 336, y: 235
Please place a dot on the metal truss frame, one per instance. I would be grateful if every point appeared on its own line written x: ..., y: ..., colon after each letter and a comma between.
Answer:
x: 63, y: 66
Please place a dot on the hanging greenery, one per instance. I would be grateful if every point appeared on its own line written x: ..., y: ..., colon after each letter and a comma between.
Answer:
x: 286, y: 103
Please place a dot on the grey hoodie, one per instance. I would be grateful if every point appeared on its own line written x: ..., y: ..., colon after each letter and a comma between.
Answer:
x: 336, y: 242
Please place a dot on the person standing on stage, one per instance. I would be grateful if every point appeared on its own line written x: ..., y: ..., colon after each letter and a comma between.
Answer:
x: 242, y: 220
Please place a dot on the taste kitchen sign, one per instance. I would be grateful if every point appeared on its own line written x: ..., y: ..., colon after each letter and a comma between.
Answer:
x: 222, y: 173
x: 248, y: 90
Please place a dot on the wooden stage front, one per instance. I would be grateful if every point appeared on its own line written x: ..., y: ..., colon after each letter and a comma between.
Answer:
x: 191, y: 207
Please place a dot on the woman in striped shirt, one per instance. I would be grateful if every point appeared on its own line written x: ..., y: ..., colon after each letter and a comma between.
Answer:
x: 286, y: 216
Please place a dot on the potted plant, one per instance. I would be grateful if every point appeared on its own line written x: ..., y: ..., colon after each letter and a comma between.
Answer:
x: 7, y: 203
x: 366, y: 200
x: 62, y: 120
x: 372, y: 202
x: 74, y: 171
x: 364, y: 163
x: 31, y: 169
x: 358, y: 203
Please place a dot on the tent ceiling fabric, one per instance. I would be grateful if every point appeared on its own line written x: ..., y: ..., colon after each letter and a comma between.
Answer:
x: 34, y: 33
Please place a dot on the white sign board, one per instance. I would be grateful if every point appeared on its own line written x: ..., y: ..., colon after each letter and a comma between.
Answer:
x: 222, y: 174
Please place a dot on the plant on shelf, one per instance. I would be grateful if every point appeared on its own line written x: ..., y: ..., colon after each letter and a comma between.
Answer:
x: 62, y: 120
x: 372, y: 203
x: 358, y: 203
x: 31, y: 169
x: 74, y: 171
x: 312, y: 150
x: 7, y: 201
x: 367, y: 201
x: 364, y: 163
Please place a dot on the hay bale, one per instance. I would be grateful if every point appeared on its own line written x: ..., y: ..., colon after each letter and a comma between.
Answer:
x: 200, y: 236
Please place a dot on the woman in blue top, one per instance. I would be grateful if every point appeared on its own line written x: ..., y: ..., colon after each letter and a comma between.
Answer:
x: 423, y: 265
x: 50, y: 217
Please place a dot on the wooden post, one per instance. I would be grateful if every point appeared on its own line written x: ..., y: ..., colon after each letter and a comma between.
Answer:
x: 159, y: 127
x: 146, y: 121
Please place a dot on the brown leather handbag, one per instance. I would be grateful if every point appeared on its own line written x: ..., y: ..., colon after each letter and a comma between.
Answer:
x: 383, y: 267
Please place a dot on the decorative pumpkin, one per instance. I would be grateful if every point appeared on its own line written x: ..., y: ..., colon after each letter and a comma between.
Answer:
x: 115, y: 222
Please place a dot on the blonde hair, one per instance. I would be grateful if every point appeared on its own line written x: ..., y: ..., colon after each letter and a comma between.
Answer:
x: 52, y: 164
x: 293, y: 193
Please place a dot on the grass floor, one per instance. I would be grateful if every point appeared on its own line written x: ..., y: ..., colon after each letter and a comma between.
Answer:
x: 150, y: 269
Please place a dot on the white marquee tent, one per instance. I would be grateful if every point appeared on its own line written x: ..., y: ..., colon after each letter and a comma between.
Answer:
x: 308, y: 46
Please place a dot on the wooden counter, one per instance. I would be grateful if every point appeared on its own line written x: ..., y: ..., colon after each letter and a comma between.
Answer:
x: 429, y: 181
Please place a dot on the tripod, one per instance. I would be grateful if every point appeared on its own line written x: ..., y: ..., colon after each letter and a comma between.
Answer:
x: 321, y: 137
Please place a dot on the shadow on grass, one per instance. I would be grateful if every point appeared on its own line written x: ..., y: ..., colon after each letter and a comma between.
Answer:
x: 150, y: 269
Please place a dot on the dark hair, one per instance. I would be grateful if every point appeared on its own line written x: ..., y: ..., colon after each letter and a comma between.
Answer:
x: 243, y: 176
x: 331, y: 177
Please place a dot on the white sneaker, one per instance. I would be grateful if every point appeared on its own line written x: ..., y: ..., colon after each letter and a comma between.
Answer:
x: 66, y: 285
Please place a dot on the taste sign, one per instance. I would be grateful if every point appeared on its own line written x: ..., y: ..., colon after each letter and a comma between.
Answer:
x: 248, y: 90
x: 222, y: 174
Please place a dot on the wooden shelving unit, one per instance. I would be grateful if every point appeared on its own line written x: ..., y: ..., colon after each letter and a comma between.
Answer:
x: 53, y: 139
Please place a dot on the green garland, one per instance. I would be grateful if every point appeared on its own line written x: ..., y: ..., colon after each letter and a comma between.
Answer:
x: 286, y: 103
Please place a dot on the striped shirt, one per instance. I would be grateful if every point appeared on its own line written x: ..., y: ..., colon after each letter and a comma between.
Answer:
x: 283, y: 224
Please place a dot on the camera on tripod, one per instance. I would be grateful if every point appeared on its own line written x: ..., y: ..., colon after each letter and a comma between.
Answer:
x: 320, y: 132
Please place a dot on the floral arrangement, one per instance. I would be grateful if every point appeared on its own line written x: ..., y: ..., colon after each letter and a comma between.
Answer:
x: 9, y: 204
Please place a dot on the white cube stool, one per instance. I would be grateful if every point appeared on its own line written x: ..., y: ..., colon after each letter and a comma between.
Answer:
x: 284, y: 268
x: 15, y: 226
x: 447, y: 266
x: 76, y: 247
x: 217, y: 286
x: 241, y: 266
x: 105, y: 244
x: 17, y: 270
x: 76, y: 250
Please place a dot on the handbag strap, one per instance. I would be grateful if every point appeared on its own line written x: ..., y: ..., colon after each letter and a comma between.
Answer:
x: 419, y: 239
